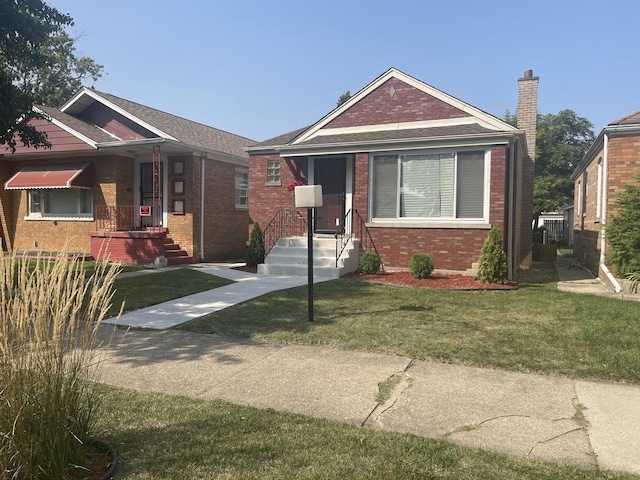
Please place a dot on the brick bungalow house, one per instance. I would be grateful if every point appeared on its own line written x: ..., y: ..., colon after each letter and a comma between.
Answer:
x: 141, y: 183
x: 611, y: 162
x: 404, y: 168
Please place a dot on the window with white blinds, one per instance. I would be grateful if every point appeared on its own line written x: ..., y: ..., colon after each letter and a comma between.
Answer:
x: 447, y: 185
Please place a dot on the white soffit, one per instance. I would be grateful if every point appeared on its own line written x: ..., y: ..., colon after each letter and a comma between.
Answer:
x: 482, y: 118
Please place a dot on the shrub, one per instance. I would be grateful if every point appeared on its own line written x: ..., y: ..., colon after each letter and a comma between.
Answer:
x: 492, y: 266
x: 369, y: 263
x: 623, y: 232
x: 255, y: 254
x: 49, y: 318
x: 420, y: 265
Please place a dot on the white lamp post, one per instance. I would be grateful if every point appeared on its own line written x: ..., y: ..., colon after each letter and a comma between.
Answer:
x: 309, y: 197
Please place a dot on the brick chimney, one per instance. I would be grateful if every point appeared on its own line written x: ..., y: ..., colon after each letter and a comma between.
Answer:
x: 527, y: 112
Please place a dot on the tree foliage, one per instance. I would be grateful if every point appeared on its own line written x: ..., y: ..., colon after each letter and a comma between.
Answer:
x: 561, y: 141
x: 623, y: 231
x: 346, y: 95
x: 38, y: 65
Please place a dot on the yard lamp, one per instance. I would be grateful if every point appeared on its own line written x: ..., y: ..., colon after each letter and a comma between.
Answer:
x: 309, y: 197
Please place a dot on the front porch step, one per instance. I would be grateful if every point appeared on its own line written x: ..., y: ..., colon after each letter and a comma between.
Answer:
x: 175, y: 254
x: 289, y: 257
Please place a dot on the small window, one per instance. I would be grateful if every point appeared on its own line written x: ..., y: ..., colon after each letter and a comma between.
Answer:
x: 273, y: 172
x: 242, y: 189
x: 67, y: 202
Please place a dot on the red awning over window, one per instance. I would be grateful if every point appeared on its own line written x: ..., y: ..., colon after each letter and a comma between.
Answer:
x: 42, y: 176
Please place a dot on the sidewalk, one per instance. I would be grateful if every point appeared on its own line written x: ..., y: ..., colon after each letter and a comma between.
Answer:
x: 534, y: 416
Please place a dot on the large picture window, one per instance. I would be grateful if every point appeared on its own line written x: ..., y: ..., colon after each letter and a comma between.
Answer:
x: 426, y: 186
x: 61, y: 203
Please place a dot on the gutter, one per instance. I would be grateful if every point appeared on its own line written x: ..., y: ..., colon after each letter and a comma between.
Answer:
x: 395, y: 144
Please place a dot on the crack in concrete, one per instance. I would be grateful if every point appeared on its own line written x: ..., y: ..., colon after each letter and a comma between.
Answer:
x: 398, y: 390
x: 552, y: 439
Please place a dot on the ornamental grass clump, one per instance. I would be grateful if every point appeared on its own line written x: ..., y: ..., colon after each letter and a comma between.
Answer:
x: 420, y: 265
x: 49, y: 318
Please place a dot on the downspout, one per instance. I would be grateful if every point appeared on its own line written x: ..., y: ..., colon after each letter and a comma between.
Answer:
x: 603, y: 221
x: 510, y: 257
x: 202, y: 159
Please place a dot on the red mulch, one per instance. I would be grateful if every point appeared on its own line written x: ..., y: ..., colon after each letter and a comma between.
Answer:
x: 436, y: 281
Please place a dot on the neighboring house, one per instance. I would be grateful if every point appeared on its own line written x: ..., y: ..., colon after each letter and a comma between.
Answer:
x: 610, y: 163
x: 407, y: 168
x: 128, y: 181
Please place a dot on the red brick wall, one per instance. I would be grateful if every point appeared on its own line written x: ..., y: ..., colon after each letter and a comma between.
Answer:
x: 624, y: 164
x: 225, y: 226
x: 451, y: 249
x: 265, y: 200
x: 128, y: 248
x: 407, y: 104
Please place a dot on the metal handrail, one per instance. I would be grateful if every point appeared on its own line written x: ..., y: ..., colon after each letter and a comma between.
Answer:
x: 121, y: 218
x: 285, y: 223
x: 354, y: 226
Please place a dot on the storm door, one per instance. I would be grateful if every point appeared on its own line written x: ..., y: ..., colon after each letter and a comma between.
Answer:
x: 150, y: 198
x: 330, y: 172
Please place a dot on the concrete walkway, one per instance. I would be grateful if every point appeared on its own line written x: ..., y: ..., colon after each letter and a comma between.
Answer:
x: 540, y: 417
x: 247, y: 286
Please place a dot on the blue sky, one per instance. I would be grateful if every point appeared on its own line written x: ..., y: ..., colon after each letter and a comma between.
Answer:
x: 260, y: 68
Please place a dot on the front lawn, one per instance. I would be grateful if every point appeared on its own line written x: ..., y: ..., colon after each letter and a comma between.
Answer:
x: 156, y: 287
x: 534, y: 329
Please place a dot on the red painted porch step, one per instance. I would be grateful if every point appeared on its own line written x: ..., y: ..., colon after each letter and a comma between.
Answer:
x: 174, y: 254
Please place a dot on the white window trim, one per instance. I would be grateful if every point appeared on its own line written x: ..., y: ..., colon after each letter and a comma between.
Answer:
x: 240, y: 206
x: 39, y: 216
x: 436, y: 222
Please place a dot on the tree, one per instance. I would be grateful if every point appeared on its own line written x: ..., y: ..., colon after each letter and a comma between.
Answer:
x: 346, y: 95
x: 623, y: 231
x: 561, y: 142
x: 255, y: 253
x: 38, y: 65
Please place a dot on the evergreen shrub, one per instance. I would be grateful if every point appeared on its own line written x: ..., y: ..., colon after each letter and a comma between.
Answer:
x: 623, y: 232
x: 492, y: 266
x: 255, y: 254
x: 369, y: 263
x: 420, y: 265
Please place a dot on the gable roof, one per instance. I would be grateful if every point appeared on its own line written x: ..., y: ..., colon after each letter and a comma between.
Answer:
x: 162, y: 124
x: 329, y: 133
x: 631, y: 119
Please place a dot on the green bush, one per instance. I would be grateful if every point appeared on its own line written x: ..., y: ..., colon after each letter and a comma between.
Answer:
x: 420, y: 265
x: 492, y: 266
x: 49, y: 318
x: 369, y: 263
x: 623, y: 232
x: 255, y: 254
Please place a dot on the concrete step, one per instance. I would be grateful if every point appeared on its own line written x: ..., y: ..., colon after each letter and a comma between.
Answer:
x: 184, y: 260
x: 297, y: 270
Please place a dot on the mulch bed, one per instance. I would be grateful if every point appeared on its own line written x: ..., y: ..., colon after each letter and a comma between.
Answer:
x: 436, y: 281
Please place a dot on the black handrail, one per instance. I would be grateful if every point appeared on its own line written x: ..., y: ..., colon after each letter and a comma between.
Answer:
x: 285, y: 223
x: 358, y: 230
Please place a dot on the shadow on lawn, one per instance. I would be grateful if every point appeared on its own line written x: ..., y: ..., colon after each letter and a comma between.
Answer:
x: 539, y: 274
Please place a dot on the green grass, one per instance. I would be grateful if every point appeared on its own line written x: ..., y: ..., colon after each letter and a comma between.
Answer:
x: 534, y: 329
x: 157, y: 287
x: 163, y: 437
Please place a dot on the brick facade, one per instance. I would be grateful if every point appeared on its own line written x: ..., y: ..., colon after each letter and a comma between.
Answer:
x: 590, y: 208
x: 397, y: 99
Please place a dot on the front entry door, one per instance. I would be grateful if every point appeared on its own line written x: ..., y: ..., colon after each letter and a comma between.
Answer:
x: 148, y: 197
x: 331, y: 173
